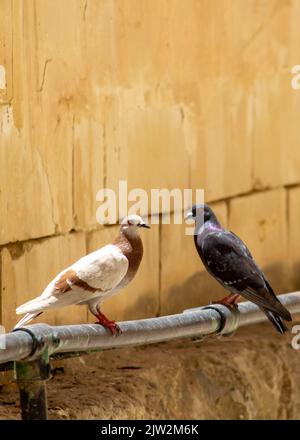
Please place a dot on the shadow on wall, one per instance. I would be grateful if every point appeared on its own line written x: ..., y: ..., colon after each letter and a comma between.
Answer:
x: 295, y: 278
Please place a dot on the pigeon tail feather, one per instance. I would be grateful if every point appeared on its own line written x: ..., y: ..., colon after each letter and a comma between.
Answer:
x: 282, y: 311
x: 33, y: 306
x: 276, y: 321
x: 27, y: 318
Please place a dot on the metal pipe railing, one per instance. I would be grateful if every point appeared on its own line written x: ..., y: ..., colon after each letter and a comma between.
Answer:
x: 202, y: 321
x: 29, y: 345
x: 30, y: 341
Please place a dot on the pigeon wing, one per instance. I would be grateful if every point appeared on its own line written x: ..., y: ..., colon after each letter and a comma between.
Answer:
x: 228, y: 259
x: 100, y: 271
x: 103, y: 269
x: 240, y: 243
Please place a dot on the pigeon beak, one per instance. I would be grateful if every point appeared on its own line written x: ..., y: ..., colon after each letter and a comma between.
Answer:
x: 189, y: 215
x: 144, y: 225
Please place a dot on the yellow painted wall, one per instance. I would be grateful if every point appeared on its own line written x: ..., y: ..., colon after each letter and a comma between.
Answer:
x: 162, y: 93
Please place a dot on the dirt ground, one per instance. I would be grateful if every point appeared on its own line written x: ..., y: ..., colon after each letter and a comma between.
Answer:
x: 254, y: 374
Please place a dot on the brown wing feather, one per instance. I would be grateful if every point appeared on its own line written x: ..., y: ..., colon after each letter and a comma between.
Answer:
x: 70, y: 277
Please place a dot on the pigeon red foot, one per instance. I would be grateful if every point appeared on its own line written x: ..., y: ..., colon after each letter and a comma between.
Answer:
x: 229, y: 301
x: 107, y: 323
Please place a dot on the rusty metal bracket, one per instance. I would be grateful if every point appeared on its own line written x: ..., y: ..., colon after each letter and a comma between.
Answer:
x: 229, y: 318
x: 31, y: 375
x: 31, y: 379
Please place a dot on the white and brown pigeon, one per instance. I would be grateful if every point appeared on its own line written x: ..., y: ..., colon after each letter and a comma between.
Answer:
x: 230, y: 262
x: 94, y: 277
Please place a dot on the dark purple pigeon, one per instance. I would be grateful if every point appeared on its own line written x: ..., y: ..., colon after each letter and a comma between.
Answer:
x: 229, y: 261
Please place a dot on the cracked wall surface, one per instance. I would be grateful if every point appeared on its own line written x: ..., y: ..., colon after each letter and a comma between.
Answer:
x: 162, y: 94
